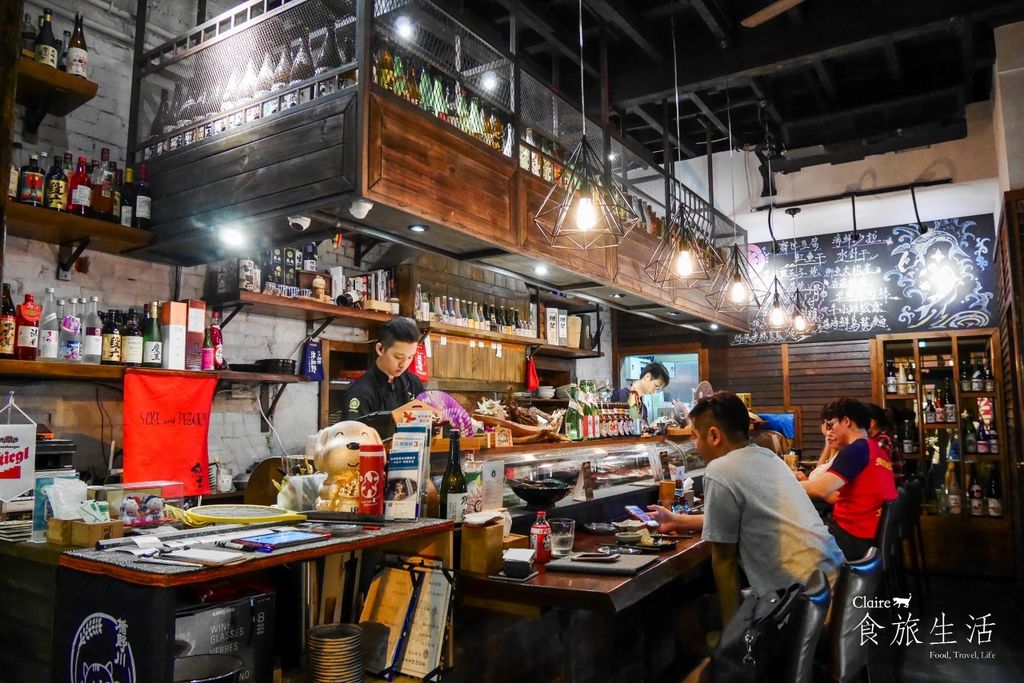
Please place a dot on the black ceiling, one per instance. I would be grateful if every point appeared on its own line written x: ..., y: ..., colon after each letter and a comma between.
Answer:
x: 833, y: 80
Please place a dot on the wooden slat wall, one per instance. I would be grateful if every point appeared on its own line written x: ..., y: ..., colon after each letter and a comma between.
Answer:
x: 817, y: 374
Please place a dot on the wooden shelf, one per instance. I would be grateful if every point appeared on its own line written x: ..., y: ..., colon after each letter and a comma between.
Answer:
x: 459, y: 331
x: 52, y: 91
x: 554, y: 351
x: 977, y: 394
x: 58, y: 227
x: 301, y: 309
x: 84, y: 372
x: 940, y: 425
x: 902, y: 397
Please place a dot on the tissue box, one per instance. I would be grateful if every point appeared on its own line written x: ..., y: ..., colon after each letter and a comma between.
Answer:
x: 481, y: 548
x: 86, y: 535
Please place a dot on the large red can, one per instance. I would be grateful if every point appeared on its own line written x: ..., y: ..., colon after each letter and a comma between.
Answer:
x: 371, y: 479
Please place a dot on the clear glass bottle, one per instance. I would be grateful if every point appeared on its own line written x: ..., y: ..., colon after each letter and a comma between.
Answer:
x: 70, y: 338
x: 92, y: 339
x: 49, y: 327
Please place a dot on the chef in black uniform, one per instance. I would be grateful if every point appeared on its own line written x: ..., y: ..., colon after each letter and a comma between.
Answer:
x: 388, y: 383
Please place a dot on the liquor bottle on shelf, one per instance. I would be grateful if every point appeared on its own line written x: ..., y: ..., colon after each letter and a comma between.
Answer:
x: 909, y: 437
x: 8, y: 324
x: 28, y: 37
x: 970, y: 434
x: 911, y: 382
x: 14, y: 181
x: 70, y: 336
x: 26, y: 343
x: 62, y: 62
x: 111, y: 353
x: 103, y: 188
x: 207, y: 361
x: 92, y: 340
x: 993, y: 440
x: 948, y: 403
x: 952, y: 490
x: 46, y: 51
x: 994, y: 495
x: 217, y: 337
x: 978, y: 378
x: 965, y: 376
x: 901, y: 379
x: 131, y: 340
x: 574, y: 416
x: 77, y: 50
x: 55, y: 195
x: 310, y: 257
x: 990, y: 379
x: 890, y: 377
x: 152, y: 344
x: 49, y: 326
x: 453, y: 490
x: 982, y: 438
x: 31, y: 181
x: 127, y: 199
x: 79, y: 191
x: 116, y: 204
x: 929, y: 410
x: 141, y: 201
x: 974, y: 492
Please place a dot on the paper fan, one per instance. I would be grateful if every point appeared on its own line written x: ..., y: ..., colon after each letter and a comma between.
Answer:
x: 450, y: 410
x: 703, y: 390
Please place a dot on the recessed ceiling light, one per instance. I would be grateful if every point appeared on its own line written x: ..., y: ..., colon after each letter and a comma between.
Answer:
x: 616, y: 296
x: 490, y: 81
x: 673, y: 313
x: 540, y: 269
x: 611, y: 156
x: 714, y: 326
x: 404, y: 27
x: 231, y: 236
x: 419, y: 227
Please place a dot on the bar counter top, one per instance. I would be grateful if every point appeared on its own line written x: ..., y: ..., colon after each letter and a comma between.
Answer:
x: 599, y: 592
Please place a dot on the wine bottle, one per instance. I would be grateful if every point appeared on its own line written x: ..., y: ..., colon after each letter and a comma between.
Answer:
x: 131, y: 340
x: 970, y: 434
x: 78, y: 51
x: 49, y: 326
x: 28, y: 37
x: 31, y: 182
x: 994, y: 495
x: 965, y: 376
x: 152, y: 344
x: 80, y: 190
x: 127, y: 199
x: 46, y: 44
x: 978, y: 378
x: 990, y: 380
x: 890, y: 377
x: 103, y: 188
x: 453, y: 484
x: 141, y: 201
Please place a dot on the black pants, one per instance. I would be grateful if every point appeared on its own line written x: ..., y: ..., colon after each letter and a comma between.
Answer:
x: 853, y: 547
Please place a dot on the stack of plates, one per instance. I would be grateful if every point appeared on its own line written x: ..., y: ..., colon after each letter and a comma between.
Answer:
x: 546, y: 391
x: 16, y: 531
x: 335, y: 653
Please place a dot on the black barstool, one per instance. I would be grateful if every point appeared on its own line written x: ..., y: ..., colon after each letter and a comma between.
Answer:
x: 844, y: 658
x: 805, y: 628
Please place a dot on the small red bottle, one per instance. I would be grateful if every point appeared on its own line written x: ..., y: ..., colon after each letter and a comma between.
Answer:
x: 80, y: 190
x: 26, y: 346
x: 540, y: 538
x: 217, y: 337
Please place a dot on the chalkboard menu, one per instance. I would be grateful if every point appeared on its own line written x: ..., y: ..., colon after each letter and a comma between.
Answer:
x: 892, y: 279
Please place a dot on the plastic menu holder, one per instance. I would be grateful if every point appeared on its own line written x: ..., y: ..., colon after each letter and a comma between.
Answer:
x: 281, y: 539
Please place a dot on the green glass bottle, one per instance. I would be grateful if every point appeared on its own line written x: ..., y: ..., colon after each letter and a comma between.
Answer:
x: 573, y: 416
x: 453, y: 483
x: 152, y: 344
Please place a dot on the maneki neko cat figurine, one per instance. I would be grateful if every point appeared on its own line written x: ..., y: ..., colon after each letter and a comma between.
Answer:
x: 337, y: 454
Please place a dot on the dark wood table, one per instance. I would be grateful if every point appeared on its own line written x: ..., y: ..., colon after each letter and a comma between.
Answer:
x: 600, y: 592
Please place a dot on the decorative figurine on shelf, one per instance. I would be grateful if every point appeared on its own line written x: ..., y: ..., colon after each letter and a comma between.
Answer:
x: 337, y: 455
x: 320, y: 289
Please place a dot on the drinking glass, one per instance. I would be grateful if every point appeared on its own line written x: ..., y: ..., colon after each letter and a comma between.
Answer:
x: 562, y: 533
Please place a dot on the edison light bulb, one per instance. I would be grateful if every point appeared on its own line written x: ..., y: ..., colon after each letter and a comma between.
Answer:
x: 738, y: 292
x: 684, y: 263
x: 586, y: 213
x: 799, y: 322
x: 777, y: 317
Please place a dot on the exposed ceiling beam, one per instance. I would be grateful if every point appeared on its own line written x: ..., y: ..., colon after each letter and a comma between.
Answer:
x: 709, y: 114
x: 551, y: 30
x: 715, y: 19
x: 618, y: 14
x: 828, y: 85
x: 773, y: 49
x: 684, y: 145
x: 892, y: 60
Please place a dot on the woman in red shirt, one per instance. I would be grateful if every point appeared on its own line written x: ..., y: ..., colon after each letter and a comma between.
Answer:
x: 880, y: 432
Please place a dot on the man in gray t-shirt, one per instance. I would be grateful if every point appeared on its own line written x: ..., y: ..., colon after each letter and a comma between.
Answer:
x: 756, y: 515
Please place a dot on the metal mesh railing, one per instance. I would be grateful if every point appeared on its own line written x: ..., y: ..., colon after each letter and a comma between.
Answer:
x: 643, y: 185
x: 551, y: 129
x: 248, y: 64
x: 429, y: 59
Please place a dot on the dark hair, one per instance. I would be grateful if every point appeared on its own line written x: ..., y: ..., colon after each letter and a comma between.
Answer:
x: 847, y: 407
x: 882, y: 416
x: 398, y: 329
x: 657, y: 371
x: 727, y: 412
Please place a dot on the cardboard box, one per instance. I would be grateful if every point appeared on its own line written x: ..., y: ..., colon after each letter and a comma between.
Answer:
x: 86, y: 535
x: 481, y: 548
x: 58, y: 531
x: 243, y: 628
x: 195, y: 330
x: 173, y: 322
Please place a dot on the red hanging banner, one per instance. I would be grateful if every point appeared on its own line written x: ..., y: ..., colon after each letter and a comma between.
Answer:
x: 166, y: 424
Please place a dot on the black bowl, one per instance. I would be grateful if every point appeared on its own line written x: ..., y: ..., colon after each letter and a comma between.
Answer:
x: 541, y: 493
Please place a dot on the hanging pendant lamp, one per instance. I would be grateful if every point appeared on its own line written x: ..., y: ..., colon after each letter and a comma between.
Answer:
x: 733, y: 287
x: 802, y: 321
x: 584, y: 209
x: 775, y: 309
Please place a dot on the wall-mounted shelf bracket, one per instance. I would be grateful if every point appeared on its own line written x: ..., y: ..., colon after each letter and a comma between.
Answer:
x: 68, y: 255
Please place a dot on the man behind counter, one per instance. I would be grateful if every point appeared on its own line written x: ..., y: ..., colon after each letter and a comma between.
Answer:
x: 387, y: 384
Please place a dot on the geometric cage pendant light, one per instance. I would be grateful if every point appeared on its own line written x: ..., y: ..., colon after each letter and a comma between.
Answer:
x: 684, y: 258
x: 735, y: 286
x: 584, y: 209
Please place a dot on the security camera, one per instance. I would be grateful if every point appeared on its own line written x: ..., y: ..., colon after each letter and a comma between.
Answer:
x: 299, y: 223
x: 360, y: 207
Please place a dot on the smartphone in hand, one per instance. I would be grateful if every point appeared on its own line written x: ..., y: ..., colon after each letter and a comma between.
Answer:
x: 636, y: 513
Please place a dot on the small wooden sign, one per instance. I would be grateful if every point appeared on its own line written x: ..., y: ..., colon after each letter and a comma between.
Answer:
x: 502, y: 437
